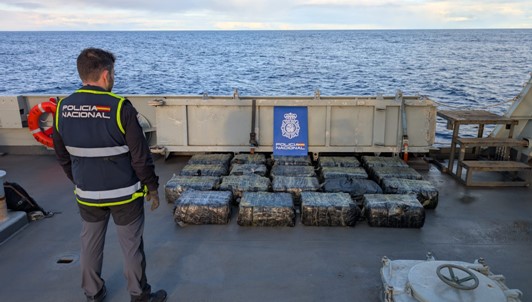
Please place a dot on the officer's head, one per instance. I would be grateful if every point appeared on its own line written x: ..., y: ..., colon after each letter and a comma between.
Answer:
x: 97, y: 66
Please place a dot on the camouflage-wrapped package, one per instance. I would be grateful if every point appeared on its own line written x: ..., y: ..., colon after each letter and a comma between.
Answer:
x: 203, y: 207
x: 294, y: 184
x: 177, y: 184
x: 204, y: 170
x: 257, y: 159
x: 292, y: 160
x: 394, y: 211
x: 377, y: 161
x: 339, y: 161
x: 340, y: 172
x: 354, y: 186
x: 328, y: 209
x: 295, y: 171
x: 245, y: 183
x: 210, y: 159
x: 266, y: 209
x: 248, y: 169
x: 426, y: 193
x: 380, y: 173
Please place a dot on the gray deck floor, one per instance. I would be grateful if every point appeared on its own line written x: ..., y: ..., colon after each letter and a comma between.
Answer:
x: 233, y: 263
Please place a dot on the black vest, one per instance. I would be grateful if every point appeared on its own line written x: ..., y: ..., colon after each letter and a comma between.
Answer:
x: 90, y: 126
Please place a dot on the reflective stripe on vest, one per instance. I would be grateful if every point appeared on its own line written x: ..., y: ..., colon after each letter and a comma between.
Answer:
x: 97, y: 152
x: 108, y: 194
x: 116, y: 203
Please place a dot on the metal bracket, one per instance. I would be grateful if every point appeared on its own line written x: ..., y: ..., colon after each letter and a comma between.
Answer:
x: 236, y: 96
x: 156, y: 102
x: 205, y: 95
x: 317, y: 94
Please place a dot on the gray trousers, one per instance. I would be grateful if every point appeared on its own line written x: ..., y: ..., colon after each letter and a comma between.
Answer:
x: 131, y: 243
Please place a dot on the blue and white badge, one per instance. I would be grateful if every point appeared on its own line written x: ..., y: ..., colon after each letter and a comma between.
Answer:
x: 290, y: 131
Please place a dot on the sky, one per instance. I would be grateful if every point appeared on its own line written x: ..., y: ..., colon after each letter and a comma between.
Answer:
x: 28, y: 15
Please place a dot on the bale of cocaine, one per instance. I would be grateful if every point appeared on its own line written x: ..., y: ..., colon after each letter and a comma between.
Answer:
x: 266, y: 209
x: 339, y: 161
x: 328, y: 209
x: 203, y: 207
x: 394, y: 211
x: 354, y: 186
x: 245, y: 183
x: 340, y: 172
x: 177, y: 184
x: 210, y: 159
x: 377, y: 161
x: 380, y: 173
x: 425, y: 192
x: 248, y: 169
x: 204, y: 170
x: 257, y: 159
x: 292, y: 160
x: 295, y: 184
x: 295, y: 171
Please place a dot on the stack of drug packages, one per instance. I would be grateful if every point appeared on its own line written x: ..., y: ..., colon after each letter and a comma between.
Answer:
x: 195, y: 191
x: 385, y: 190
x: 406, y: 194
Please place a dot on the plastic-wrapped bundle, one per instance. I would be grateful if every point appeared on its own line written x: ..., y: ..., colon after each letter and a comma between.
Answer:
x: 203, y: 207
x: 354, y: 186
x: 296, y: 171
x: 292, y: 160
x: 248, y: 169
x: 257, y: 158
x: 266, y: 209
x: 394, y: 211
x: 339, y: 172
x: 295, y: 184
x: 377, y: 161
x: 245, y: 183
x: 177, y: 184
x: 210, y: 159
x: 380, y: 173
x: 426, y: 193
x: 339, y: 161
x: 204, y: 170
x: 328, y: 209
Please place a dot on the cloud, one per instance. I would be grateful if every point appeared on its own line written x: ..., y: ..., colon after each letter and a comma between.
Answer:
x: 262, y: 14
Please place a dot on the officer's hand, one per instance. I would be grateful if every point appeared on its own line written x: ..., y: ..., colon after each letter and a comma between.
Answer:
x: 153, y: 196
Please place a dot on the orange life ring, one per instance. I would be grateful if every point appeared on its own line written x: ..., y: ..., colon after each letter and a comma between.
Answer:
x: 43, y: 136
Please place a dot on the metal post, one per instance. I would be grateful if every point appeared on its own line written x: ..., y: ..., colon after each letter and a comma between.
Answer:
x: 3, y: 205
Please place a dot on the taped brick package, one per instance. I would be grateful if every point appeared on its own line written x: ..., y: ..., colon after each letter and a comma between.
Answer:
x: 205, y: 170
x: 425, y: 192
x: 339, y: 161
x: 178, y: 184
x: 266, y: 209
x: 299, y: 171
x: 378, y: 161
x: 356, y: 187
x: 248, y: 169
x: 245, y: 183
x: 292, y: 160
x: 203, y: 207
x: 328, y: 209
x: 380, y: 173
x: 257, y: 159
x: 210, y: 159
x: 339, y: 172
x: 394, y: 211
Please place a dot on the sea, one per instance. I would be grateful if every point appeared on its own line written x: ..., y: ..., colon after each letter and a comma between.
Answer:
x: 464, y: 69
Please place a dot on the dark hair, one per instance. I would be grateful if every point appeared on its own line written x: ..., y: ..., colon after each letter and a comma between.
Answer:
x: 92, y: 62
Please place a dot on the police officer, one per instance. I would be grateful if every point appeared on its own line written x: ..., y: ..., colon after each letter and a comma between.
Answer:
x: 101, y: 147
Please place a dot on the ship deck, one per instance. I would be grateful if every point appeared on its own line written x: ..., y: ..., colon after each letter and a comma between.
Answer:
x: 233, y: 263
